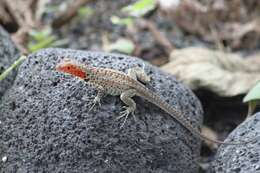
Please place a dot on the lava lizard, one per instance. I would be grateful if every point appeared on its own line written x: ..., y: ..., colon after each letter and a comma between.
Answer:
x: 113, y: 82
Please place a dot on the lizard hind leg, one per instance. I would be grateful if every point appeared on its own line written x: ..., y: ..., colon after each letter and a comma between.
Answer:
x: 126, y: 97
x: 138, y: 73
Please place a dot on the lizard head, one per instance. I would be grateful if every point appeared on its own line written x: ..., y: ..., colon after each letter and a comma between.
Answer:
x: 72, y: 67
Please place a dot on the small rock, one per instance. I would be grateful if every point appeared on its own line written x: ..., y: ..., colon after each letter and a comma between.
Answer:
x: 241, y: 158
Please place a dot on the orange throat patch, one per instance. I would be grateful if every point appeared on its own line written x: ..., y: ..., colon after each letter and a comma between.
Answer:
x: 72, y: 69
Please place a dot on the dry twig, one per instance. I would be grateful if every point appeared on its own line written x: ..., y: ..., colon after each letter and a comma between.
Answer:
x: 158, y: 36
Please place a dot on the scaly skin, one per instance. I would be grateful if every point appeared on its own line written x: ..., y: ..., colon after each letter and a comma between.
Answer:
x: 116, y: 83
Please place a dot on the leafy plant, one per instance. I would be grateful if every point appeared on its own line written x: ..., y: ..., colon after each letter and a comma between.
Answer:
x: 140, y: 8
x: 13, y: 66
x: 128, y: 21
x: 136, y: 10
x: 42, y: 39
x: 85, y: 12
x: 252, y: 98
x: 121, y: 45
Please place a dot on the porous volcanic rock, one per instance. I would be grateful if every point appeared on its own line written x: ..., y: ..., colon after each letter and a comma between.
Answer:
x: 47, y: 126
x: 8, y: 54
x: 241, y: 158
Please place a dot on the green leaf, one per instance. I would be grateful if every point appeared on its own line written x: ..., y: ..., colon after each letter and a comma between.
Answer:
x: 41, y: 44
x: 85, y: 12
x: 253, y: 94
x: 59, y: 43
x: 122, y: 21
x: 43, y: 39
x: 140, y: 8
x: 14, y: 65
x: 122, y: 45
x: 40, y: 35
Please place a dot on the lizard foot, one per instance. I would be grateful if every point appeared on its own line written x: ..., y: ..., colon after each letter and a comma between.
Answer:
x: 125, y: 113
x: 95, y: 102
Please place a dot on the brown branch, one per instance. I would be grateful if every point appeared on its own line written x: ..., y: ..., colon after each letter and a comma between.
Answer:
x: 22, y: 14
x: 66, y: 16
x: 13, y: 7
x: 5, y: 17
x: 158, y: 36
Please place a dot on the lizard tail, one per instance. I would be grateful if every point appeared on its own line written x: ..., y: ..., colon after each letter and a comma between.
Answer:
x: 177, y: 115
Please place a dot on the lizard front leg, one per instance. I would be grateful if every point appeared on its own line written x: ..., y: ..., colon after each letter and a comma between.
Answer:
x: 126, y: 97
x: 100, y: 94
x: 138, y: 73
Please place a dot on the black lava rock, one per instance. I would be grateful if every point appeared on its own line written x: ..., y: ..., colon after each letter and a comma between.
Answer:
x: 8, y: 54
x: 241, y: 158
x: 47, y: 126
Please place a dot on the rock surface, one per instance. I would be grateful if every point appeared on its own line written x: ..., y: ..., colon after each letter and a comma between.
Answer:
x: 8, y: 54
x: 46, y: 126
x: 241, y: 158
